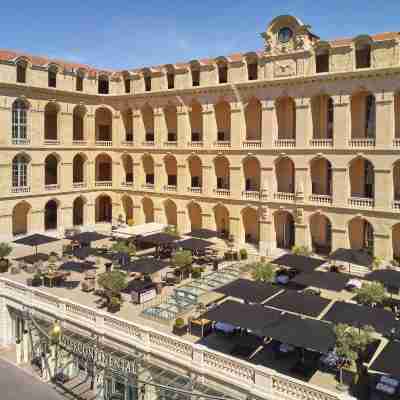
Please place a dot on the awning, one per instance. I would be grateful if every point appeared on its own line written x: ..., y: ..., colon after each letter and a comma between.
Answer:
x: 323, y: 280
x: 358, y: 316
x: 194, y: 244
x: 351, y: 256
x: 36, y: 240
x: 299, y: 303
x: 159, y: 239
x: 301, y: 263
x: 251, y: 291
x: 145, y: 266
x: 389, y: 278
x: 306, y: 333
x: 252, y: 317
x: 387, y: 361
x: 87, y: 237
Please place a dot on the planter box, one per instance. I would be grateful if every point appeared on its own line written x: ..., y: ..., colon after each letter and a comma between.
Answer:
x: 114, y: 308
x: 179, y: 330
x: 4, y: 265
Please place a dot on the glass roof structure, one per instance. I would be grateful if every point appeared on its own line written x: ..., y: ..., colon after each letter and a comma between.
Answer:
x: 188, y: 295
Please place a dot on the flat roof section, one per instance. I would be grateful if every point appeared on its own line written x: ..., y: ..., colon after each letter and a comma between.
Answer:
x: 250, y: 291
x: 356, y: 315
x: 323, y: 280
x: 299, y: 303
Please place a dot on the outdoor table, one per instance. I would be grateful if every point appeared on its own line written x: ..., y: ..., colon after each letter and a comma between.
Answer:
x: 200, y: 327
x: 52, y: 277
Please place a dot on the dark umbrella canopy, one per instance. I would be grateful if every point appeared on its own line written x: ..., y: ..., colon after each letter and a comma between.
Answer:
x: 77, y: 266
x: 323, y: 280
x: 159, y: 239
x: 203, y: 233
x: 301, y: 263
x: 388, y: 278
x: 194, y: 244
x: 145, y: 266
x: 351, y: 256
x: 88, y: 237
x: 36, y: 240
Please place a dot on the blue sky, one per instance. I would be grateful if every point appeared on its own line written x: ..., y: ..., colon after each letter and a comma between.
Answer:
x: 135, y: 33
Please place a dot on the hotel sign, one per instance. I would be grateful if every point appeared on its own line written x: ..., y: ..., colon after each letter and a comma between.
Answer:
x: 101, y: 358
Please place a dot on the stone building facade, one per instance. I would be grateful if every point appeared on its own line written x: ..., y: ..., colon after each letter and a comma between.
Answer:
x: 296, y: 144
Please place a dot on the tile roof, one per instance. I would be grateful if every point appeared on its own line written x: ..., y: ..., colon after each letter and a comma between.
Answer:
x: 9, y: 55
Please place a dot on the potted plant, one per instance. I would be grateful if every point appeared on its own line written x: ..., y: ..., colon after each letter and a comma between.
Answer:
x: 37, y: 279
x: 301, y: 250
x: 5, y: 251
x: 182, y: 260
x: 130, y: 222
x: 179, y: 327
x: 113, y: 283
x: 372, y: 293
x: 114, y: 305
x: 196, y: 273
x: 243, y: 254
x: 264, y: 272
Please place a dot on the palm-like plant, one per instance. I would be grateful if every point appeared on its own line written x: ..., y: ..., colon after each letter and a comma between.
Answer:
x: 264, y: 272
x: 5, y: 250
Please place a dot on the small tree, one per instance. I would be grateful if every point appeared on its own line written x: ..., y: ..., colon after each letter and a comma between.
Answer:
x: 5, y: 250
x: 264, y: 272
x: 182, y: 258
x: 351, y: 344
x: 301, y: 250
x: 371, y: 293
x: 122, y: 247
x: 113, y: 283
x: 171, y: 230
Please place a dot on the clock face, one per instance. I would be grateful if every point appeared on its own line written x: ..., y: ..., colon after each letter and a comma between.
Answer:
x: 284, y: 35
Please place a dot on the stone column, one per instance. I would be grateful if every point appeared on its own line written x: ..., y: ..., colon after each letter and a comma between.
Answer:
x: 159, y: 215
x: 207, y: 220
x: 66, y: 218
x: 301, y: 179
x: 18, y: 351
x: 382, y: 245
x: 160, y: 127
x: 238, y: 127
x: 26, y: 348
x: 90, y: 216
x: 36, y: 123
x: 265, y: 244
x: 341, y: 121
x: 6, y: 177
x: 160, y: 177
x: 65, y: 176
x: 266, y: 184
x: 37, y: 220
x: 209, y: 125
x: 340, y: 186
x: 235, y: 228
x: 66, y: 120
x: 138, y: 216
x: 182, y: 178
x: 139, y: 133
x: 302, y: 235
x: 183, y: 221
x: 90, y: 127
x: 303, y: 122
x: 339, y: 238
x: 236, y: 185
x: 384, y: 119
x: 383, y: 189
x: 209, y: 182
x: 117, y: 128
x: 118, y: 175
x: 6, y: 120
x: 268, y: 125
x: 184, y: 133
x: 137, y: 175
x: 37, y: 177
x: 91, y: 174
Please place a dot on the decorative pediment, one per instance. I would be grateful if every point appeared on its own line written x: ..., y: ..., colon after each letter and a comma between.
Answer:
x: 287, y: 34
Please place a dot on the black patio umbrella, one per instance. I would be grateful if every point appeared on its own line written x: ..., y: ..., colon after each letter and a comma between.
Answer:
x: 352, y: 256
x: 203, y: 233
x: 77, y: 266
x: 194, y: 244
x: 36, y: 240
x: 88, y: 237
x: 159, y: 239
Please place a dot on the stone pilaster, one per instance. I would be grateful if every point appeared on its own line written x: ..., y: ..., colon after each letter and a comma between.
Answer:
x: 303, y: 122
x: 341, y: 121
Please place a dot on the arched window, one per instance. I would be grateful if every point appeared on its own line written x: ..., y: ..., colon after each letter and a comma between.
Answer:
x: 20, y: 171
x: 322, y: 61
x: 52, y: 77
x: 222, y: 72
x: 103, y: 85
x: 21, y: 71
x: 19, y: 122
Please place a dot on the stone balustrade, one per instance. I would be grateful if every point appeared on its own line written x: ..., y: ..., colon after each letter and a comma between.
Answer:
x: 361, y: 202
x: 51, y: 142
x: 285, y: 196
x: 251, y: 144
x: 79, y: 185
x: 104, y: 143
x: 251, y: 194
x: 49, y: 188
x: 219, y: 192
x: 254, y: 379
x: 362, y: 143
x: 396, y: 205
x: 79, y: 142
x: 103, y: 183
x: 321, y: 198
x: 198, y: 143
x: 321, y: 143
x: 21, y: 141
x: 20, y: 189
x: 222, y: 143
x: 285, y: 143
x: 396, y: 142
x: 195, y: 189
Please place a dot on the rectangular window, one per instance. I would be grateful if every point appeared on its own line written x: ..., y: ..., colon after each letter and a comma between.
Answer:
x: 19, y: 175
x: 104, y: 133
x: 127, y: 83
x: 252, y: 71
x: 195, y: 181
x: 171, y: 137
x: 171, y: 180
x: 129, y: 136
x: 322, y: 63
x: 195, y: 77
x: 21, y: 73
x: 171, y: 80
x: 103, y: 86
x: 363, y: 57
x: 150, y: 179
x: 19, y: 123
x: 129, y: 177
x: 147, y: 83
x: 79, y: 83
x: 149, y: 136
x: 221, y: 136
x: 52, y: 79
x: 196, y: 137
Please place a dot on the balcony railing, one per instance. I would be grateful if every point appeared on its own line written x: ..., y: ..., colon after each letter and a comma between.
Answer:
x: 148, y: 186
x: 20, y: 189
x: 195, y: 144
x: 195, y: 189
x: 362, y: 143
x: 171, y: 143
x: 321, y: 143
x: 361, y: 202
x: 127, y: 143
x: 51, y: 142
x: 104, y: 143
x: 251, y: 194
x: 222, y: 192
x: 251, y: 144
x: 148, y: 143
x: 222, y: 143
x: 396, y: 142
x: 321, y: 198
x: 79, y: 185
x: 103, y: 183
x: 127, y: 183
x: 54, y: 186
x: 21, y: 141
x: 396, y: 205
x: 81, y: 142
x: 170, y: 188
x: 284, y: 196
x: 285, y: 143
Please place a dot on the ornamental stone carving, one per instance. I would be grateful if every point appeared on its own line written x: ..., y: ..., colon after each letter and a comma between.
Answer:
x: 283, y: 68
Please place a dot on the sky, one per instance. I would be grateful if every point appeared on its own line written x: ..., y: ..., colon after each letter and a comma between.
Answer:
x: 131, y: 34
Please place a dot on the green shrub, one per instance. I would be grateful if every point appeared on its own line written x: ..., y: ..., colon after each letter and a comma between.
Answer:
x: 301, y: 250
x: 5, y: 250
x: 179, y: 322
x: 196, y: 273
x: 370, y: 293
x: 182, y: 258
x: 264, y: 272
x: 243, y: 254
